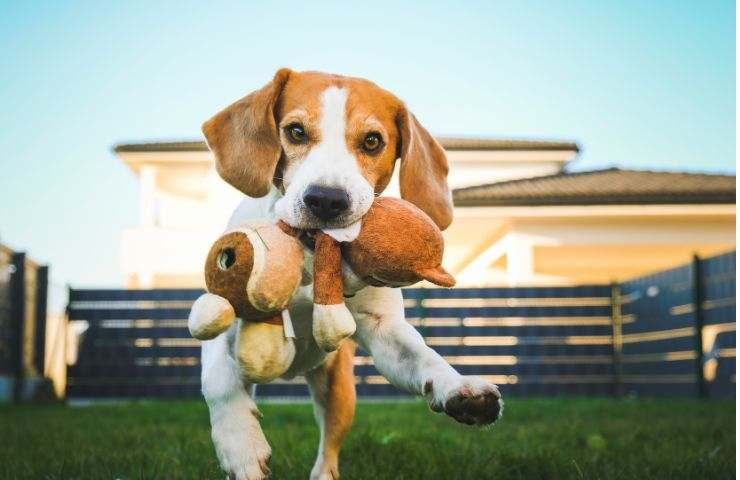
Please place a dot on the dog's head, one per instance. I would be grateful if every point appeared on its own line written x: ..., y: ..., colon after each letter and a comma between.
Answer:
x: 330, y: 144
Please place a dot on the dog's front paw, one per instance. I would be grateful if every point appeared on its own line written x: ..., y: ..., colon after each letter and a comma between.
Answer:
x: 246, y: 464
x: 470, y: 400
x: 250, y: 473
x: 242, y: 452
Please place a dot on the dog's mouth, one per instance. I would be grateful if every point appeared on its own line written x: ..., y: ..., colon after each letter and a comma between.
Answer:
x: 312, y: 222
x: 308, y: 239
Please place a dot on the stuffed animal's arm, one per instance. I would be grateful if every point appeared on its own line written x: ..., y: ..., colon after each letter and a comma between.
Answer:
x: 327, y: 271
x: 210, y: 316
x: 332, y: 321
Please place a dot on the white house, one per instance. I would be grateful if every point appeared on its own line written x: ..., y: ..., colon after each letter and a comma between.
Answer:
x: 520, y: 216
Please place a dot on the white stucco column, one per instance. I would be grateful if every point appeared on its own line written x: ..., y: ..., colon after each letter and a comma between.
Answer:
x: 147, y: 217
x: 519, y: 261
x: 148, y: 195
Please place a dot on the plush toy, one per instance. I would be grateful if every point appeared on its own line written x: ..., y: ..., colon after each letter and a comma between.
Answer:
x: 397, y: 245
x: 252, y: 272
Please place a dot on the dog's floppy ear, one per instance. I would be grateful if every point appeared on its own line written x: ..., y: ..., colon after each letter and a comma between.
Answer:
x: 245, y: 140
x: 423, y: 171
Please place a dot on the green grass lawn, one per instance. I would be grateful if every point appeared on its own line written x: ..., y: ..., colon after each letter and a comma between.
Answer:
x: 536, y: 439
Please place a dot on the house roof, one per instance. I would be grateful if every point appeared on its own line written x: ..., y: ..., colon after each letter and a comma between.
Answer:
x: 449, y: 143
x: 611, y: 186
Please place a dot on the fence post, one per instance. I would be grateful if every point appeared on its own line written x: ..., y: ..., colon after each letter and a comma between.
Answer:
x: 67, y: 311
x: 616, y: 319
x: 42, y: 288
x: 18, y: 317
x: 697, y: 300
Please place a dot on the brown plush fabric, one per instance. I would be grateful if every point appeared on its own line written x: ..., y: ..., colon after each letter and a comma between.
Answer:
x: 274, y: 319
x: 327, y: 268
x: 398, y: 245
x: 287, y: 229
x: 281, y: 272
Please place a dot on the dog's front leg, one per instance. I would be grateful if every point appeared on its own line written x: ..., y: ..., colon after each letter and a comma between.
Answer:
x: 400, y: 354
x: 240, y: 445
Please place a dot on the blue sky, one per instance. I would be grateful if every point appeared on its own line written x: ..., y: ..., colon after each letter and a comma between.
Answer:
x: 637, y: 84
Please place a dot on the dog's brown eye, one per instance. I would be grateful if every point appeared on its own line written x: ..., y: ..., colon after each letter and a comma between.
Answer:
x: 372, y: 142
x: 296, y: 133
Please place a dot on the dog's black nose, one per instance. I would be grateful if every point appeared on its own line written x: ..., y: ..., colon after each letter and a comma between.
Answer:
x: 326, y: 203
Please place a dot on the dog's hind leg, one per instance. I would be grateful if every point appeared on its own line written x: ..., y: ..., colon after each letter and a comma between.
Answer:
x: 332, y: 386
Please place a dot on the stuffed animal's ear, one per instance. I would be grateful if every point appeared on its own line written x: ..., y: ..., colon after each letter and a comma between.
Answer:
x: 210, y: 316
x: 245, y: 140
x: 423, y: 171
x: 438, y: 276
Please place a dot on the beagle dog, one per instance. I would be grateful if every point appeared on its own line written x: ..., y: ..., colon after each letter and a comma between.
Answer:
x: 314, y: 149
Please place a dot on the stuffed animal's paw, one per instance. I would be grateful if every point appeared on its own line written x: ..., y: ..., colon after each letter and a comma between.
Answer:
x: 331, y: 325
x: 210, y: 316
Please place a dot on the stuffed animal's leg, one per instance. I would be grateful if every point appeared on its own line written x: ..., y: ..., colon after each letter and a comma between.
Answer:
x: 210, y: 316
x: 263, y: 350
x: 332, y: 321
x: 241, y: 447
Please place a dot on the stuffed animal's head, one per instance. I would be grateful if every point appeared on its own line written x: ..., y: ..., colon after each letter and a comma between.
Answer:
x: 228, y: 268
x: 256, y: 267
x: 398, y: 245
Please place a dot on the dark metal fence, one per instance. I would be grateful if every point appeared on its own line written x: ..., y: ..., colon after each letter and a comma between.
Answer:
x: 678, y: 334
x: 641, y: 336
x: 23, y: 296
